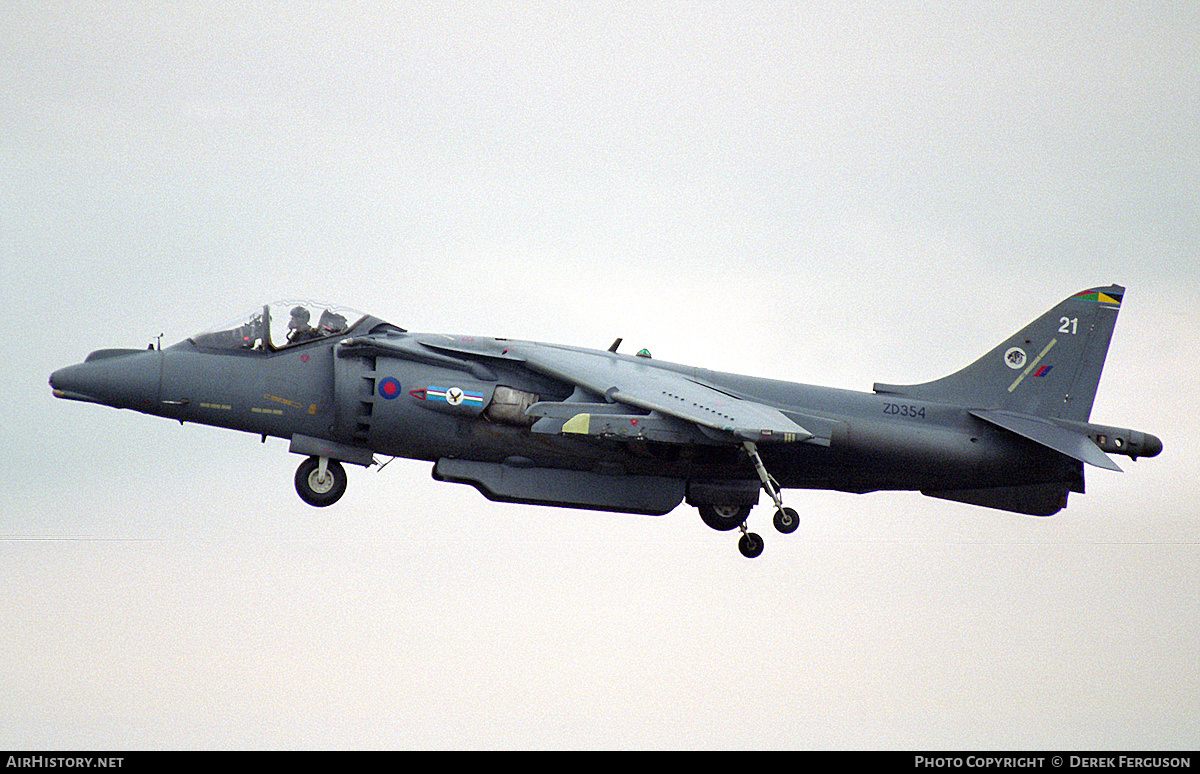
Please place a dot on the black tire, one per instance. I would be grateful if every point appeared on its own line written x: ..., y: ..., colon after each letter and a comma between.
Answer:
x: 786, y: 520
x: 320, y: 493
x: 723, y: 518
x: 751, y: 545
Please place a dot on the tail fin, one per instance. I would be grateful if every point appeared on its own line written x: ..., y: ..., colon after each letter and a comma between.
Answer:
x: 1050, y: 368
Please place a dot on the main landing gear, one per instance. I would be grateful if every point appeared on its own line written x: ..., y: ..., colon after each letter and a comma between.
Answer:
x: 320, y: 481
x: 730, y: 517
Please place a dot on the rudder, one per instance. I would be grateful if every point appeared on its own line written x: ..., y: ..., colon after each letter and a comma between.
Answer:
x: 1050, y: 368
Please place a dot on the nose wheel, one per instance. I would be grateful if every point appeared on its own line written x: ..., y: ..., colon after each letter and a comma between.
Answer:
x: 320, y: 481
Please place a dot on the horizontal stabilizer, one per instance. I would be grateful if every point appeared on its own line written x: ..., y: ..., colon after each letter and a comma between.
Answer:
x: 1075, y: 445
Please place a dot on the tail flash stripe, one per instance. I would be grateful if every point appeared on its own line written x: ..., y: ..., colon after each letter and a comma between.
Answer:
x: 1112, y: 299
x: 1029, y: 368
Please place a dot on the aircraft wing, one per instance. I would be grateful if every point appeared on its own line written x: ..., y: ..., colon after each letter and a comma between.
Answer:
x: 650, y: 387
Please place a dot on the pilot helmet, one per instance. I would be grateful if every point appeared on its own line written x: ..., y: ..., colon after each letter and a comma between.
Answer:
x: 300, y: 317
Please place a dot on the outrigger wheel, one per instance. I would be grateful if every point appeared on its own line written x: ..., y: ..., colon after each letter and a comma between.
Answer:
x: 750, y: 544
x: 786, y: 520
x: 320, y: 481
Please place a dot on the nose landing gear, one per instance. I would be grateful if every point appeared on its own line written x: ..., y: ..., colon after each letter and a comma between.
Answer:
x: 320, y: 481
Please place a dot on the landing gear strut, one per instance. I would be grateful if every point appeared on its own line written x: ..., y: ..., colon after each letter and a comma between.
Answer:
x: 729, y: 517
x: 320, y: 481
x: 786, y: 520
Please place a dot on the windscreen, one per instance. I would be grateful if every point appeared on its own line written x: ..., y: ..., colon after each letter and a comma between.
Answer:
x: 279, y: 325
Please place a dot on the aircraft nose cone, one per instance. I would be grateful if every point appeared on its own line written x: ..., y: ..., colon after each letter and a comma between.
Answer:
x: 72, y: 383
x: 120, y: 378
x: 1151, y: 446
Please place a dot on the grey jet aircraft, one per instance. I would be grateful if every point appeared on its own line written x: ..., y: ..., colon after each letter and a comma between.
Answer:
x: 545, y: 424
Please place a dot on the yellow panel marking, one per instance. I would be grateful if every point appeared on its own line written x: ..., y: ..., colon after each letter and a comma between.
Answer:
x: 284, y: 401
x: 580, y: 423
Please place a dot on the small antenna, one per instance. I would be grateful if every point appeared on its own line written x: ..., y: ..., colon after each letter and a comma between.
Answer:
x: 615, y: 344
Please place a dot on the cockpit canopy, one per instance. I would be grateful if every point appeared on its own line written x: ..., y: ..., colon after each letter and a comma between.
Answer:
x: 280, y: 325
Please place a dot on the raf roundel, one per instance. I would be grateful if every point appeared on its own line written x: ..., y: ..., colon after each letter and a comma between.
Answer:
x: 389, y: 388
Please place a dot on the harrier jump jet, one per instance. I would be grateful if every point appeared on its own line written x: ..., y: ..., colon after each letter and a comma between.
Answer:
x: 546, y: 424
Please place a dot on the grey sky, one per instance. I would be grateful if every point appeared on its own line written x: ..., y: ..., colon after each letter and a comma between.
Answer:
x: 834, y: 196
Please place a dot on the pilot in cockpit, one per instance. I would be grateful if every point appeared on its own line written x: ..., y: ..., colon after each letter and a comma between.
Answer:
x: 298, y: 328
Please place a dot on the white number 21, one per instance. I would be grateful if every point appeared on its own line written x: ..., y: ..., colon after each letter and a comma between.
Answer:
x: 1068, y: 325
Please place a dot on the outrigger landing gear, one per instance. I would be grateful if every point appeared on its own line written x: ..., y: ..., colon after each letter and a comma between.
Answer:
x: 786, y: 520
x: 729, y: 517
x: 750, y: 544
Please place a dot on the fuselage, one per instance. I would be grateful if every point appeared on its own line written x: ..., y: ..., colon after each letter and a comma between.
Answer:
x: 392, y: 406
x: 546, y: 424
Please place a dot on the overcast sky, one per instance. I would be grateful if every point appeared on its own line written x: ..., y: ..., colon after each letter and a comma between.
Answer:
x: 871, y: 192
